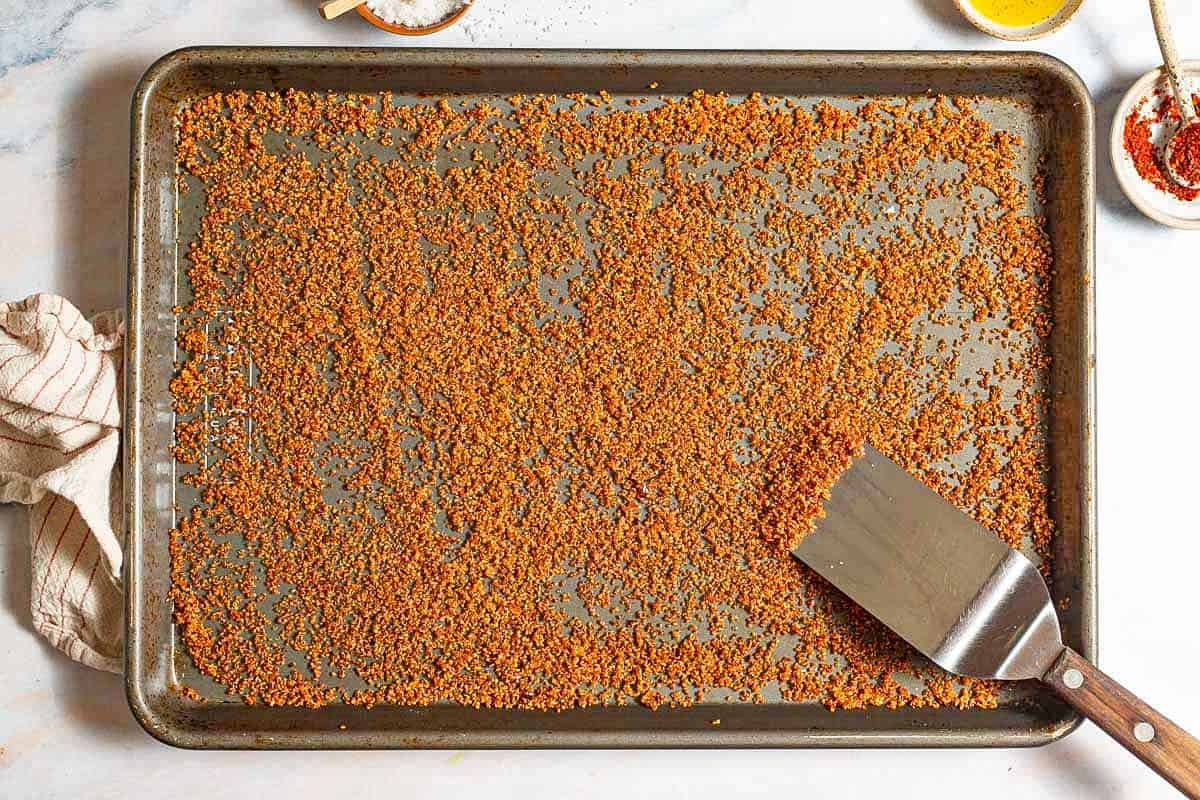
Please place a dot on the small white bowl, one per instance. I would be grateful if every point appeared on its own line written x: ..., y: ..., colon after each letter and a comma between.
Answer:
x: 1149, y: 199
x: 1019, y: 33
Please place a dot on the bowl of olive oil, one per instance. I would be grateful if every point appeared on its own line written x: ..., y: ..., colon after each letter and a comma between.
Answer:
x: 1018, y: 20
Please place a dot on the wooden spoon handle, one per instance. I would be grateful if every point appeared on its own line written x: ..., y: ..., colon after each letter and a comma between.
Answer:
x: 335, y: 8
x: 1166, y: 43
x: 1162, y: 745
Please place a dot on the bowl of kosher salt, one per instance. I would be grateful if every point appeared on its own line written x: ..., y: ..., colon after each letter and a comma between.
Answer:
x: 413, y: 17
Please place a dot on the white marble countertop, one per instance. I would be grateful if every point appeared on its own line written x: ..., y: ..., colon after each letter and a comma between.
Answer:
x: 67, y: 68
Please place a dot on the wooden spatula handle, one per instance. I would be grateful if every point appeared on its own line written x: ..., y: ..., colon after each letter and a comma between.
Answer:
x: 335, y: 8
x: 1162, y: 745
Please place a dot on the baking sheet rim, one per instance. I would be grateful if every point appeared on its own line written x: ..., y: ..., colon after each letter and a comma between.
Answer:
x: 281, y: 58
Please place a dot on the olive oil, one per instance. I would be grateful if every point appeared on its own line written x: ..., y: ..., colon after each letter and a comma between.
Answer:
x: 1018, y: 13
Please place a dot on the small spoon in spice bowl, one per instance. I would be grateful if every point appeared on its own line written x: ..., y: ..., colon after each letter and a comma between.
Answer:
x: 1182, y: 155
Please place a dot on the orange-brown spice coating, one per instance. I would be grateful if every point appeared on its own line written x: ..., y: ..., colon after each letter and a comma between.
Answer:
x: 522, y: 404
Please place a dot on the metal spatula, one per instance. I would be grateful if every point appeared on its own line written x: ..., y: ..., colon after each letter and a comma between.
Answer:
x: 974, y: 606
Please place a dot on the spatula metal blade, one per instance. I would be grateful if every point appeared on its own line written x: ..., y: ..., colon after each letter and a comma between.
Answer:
x: 932, y: 574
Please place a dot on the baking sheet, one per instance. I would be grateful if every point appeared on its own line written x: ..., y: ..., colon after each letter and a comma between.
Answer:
x: 1054, y: 116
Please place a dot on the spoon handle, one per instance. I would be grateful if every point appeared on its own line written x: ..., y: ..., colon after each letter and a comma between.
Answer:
x: 1161, y: 744
x: 1166, y: 43
x: 335, y: 8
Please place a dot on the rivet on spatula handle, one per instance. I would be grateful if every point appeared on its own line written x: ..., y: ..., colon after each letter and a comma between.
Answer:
x: 335, y: 8
x: 1161, y: 744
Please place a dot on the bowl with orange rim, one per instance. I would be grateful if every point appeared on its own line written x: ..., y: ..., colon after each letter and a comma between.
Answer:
x: 405, y: 30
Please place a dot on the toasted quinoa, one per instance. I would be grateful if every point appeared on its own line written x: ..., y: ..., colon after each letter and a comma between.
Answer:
x: 523, y: 403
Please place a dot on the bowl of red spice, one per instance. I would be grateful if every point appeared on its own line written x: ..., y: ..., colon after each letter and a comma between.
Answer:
x: 1146, y: 119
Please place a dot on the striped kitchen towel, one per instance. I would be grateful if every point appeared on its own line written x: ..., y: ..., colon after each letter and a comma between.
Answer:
x: 60, y: 418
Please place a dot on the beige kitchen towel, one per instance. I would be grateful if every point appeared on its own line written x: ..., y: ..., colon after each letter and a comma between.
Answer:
x: 60, y: 418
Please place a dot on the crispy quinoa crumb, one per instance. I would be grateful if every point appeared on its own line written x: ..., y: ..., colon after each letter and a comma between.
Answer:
x: 191, y: 694
x: 522, y: 402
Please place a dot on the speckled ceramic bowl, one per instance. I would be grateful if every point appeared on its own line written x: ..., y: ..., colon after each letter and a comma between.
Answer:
x: 1019, y: 33
x: 378, y: 22
x: 1149, y: 199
